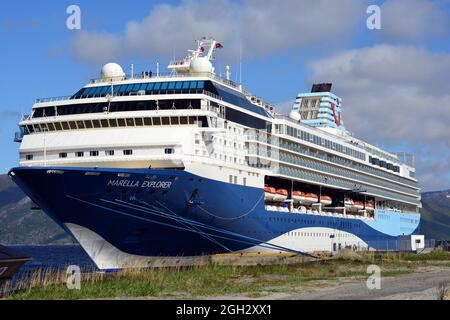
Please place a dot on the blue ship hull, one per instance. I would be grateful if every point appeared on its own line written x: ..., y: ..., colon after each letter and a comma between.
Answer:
x: 172, y: 213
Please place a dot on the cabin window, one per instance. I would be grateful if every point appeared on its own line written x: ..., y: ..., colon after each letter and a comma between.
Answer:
x: 121, y: 122
x: 183, y: 120
x: 157, y: 121
x: 29, y: 157
x: 88, y: 124
x: 109, y: 152
x: 58, y: 126
x: 148, y: 121
x: 128, y: 152
x: 63, y: 155
x: 80, y: 124
x: 130, y: 122
x: 139, y: 122
x: 96, y: 123
x: 94, y: 153
x: 165, y: 121
x: 79, y: 154
x: 174, y: 121
x: 169, y: 151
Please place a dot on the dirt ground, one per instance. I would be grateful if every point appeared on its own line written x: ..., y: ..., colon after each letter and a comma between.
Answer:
x: 423, y: 284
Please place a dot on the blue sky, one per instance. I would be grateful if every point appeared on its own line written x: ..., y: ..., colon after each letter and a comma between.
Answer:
x: 394, y: 82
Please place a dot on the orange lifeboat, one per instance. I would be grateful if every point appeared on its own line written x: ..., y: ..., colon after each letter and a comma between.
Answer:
x: 349, y: 204
x: 370, y: 206
x: 309, y: 198
x: 326, y: 200
x: 269, y: 193
x: 358, y: 205
x: 281, y: 195
x: 297, y: 196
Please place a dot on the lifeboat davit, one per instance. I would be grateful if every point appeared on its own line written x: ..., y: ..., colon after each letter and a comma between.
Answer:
x: 358, y: 205
x: 269, y: 193
x: 280, y: 195
x: 326, y: 200
x: 297, y: 196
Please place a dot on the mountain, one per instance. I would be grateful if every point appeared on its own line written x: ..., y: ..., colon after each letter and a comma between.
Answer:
x: 436, y: 214
x: 20, y: 224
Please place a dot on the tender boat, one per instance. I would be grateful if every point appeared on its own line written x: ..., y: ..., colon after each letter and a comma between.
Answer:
x: 349, y: 204
x: 309, y: 198
x: 281, y: 195
x: 326, y: 200
x: 297, y: 196
x: 269, y: 193
x: 358, y: 205
x: 370, y: 206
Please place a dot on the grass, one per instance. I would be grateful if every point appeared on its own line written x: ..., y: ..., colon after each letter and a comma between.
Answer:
x: 218, y: 280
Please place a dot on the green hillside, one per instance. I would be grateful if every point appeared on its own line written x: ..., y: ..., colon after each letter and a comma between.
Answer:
x: 436, y: 215
x: 21, y: 225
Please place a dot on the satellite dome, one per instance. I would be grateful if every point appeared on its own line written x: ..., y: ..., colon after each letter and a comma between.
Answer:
x: 201, y: 65
x: 294, y: 115
x: 112, y: 71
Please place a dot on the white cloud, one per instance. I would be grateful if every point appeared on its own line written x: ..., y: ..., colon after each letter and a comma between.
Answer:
x: 263, y: 27
x: 97, y: 48
x: 394, y: 95
x: 412, y: 20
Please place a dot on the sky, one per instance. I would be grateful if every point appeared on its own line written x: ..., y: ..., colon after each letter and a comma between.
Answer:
x: 394, y: 81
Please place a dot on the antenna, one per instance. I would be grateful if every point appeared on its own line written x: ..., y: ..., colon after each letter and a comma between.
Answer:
x: 240, y: 63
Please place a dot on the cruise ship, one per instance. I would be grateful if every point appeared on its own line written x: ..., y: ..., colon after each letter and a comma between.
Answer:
x: 165, y: 169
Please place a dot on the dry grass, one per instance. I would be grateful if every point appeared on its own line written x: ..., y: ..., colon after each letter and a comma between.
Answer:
x: 213, y: 279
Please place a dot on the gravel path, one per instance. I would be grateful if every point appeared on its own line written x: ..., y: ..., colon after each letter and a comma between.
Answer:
x: 420, y: 285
